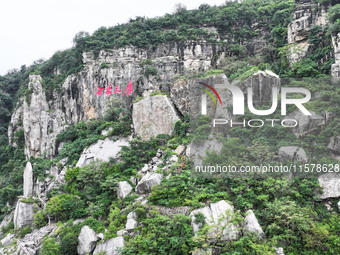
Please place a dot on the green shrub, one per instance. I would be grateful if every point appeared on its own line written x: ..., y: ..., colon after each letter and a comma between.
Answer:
x: 40, y: 219
x: 50, y: 247
x: 24, y: 231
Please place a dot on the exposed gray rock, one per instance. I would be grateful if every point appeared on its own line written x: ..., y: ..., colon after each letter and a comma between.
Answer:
x: 28, y: 180
x: 7, y: 240
x: 124, y: 189
x: 87, y: 241
x: 198, y: 151
x: 330, y: 183
x: 339, y: 205
x: 154, y: 115
x: 180, y: 150
x: 334, y: 144
x: 252, y: 225
x: 293, y: 153
x: 111, y: 247
x: 262, y: 84
x: 219, y: 216
x: 207, y: 251
x: 6, y: 221
x: 23, y: 214
x: 102, y: 150
x: 131, y: 224
x: 148, y: 181
x: 307, y: 124
x: 279, y: 251
x: 122, y: 232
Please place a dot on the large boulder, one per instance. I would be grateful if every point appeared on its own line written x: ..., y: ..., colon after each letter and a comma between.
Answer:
x: 334, y: 144
x: 102, y: 150
x: 87, y: 241
x: 148, y: 181
x: 124, y: 189
x: 111, y: 247
x: 262, y: 84
x: 219, y: 216
x: 330, y: 183
x: 28, y: 180
x: 131, y: 223
x: 293, y: 153
x: 23, y: 214
x: 153, y: 116
x: 307, y: 124
x: 251, y: 225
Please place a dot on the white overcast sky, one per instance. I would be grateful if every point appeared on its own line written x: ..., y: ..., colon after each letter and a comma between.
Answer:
x: 34, y: 29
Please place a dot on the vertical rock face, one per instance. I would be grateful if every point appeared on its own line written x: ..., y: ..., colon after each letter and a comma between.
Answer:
x: 335, y: 70
x: 23, y: 214
x: 262, y: 84
x: 28, y: 180
x: 44, y: 116
x: 111, y: 247
x: 154, y: 115
x: 307, y: 13
x: 252, y: 225
x: 330, y: 183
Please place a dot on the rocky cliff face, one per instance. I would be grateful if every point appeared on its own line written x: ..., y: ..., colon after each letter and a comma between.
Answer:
x: 307, y: 14
x: 149, y: 70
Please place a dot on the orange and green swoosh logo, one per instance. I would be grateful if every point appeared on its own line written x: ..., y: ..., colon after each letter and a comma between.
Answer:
x: 209, y: 93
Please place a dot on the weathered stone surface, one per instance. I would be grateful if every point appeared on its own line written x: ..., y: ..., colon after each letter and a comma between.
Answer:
x: 102, y: 150
x: 252, y: 225
x: 180, y: 150
x: 198, y: 151
x: 339, y: 205
x: 131, y: 224
x: 154, y: 115
x: 262, y: 84
x: 148, y: 181
x: 279, y: 251
x: 111, y: 247
x: 293, y: 153
x: 28, y: 180
x: 307, y: 124
x: 5, y: 222
x: 334, y: 144
x: 124, y: 189
x: 219, y: 216
x: 23, y: 214
x: 7, y: 240
x: 87, y: 241
x: 203, y: 252
x: 330, y: 183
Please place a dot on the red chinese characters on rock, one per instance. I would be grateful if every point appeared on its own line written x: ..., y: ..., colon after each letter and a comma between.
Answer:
x: 127, y: 91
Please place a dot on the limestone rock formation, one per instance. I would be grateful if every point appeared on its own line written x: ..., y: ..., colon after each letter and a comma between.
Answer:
x: 87, y: 241
x: 335, y: 70
x: 262, y: 84
x: 124, y: 189
x: 330, y: 183
x: 293, y: 153
x: 197, y: 151
x: 102, y: 150
x: 7, y: 240
x: 147, y: 182
x: 111, y: 247
x: 23, y: 214
x: 5, y: 222
x: 334, y: 144
x: 154, y: 115
x: 28, y: 180
x: 131, y: 223
x: 307, y: 124
x: 251, y: 225
x: 219, y: 216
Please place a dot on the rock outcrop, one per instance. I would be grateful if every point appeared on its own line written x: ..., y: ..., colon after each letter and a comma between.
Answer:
x: 111, y: 247
x: 148, y: 181
x: 293, y: 153
x: 251, y: 225
x: 219, y: 216
x: 307, y: 124
x: 262, y: 84
x: 153, y: 116
x: 87, y: 241
x: 102, y: 150
x: 131, y: 223
x: 23, y: 214
x: 28, y: 180
x: 124, y: 189
x: 334, y: 144
x: 197, y: 151
x: 330, y: 184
